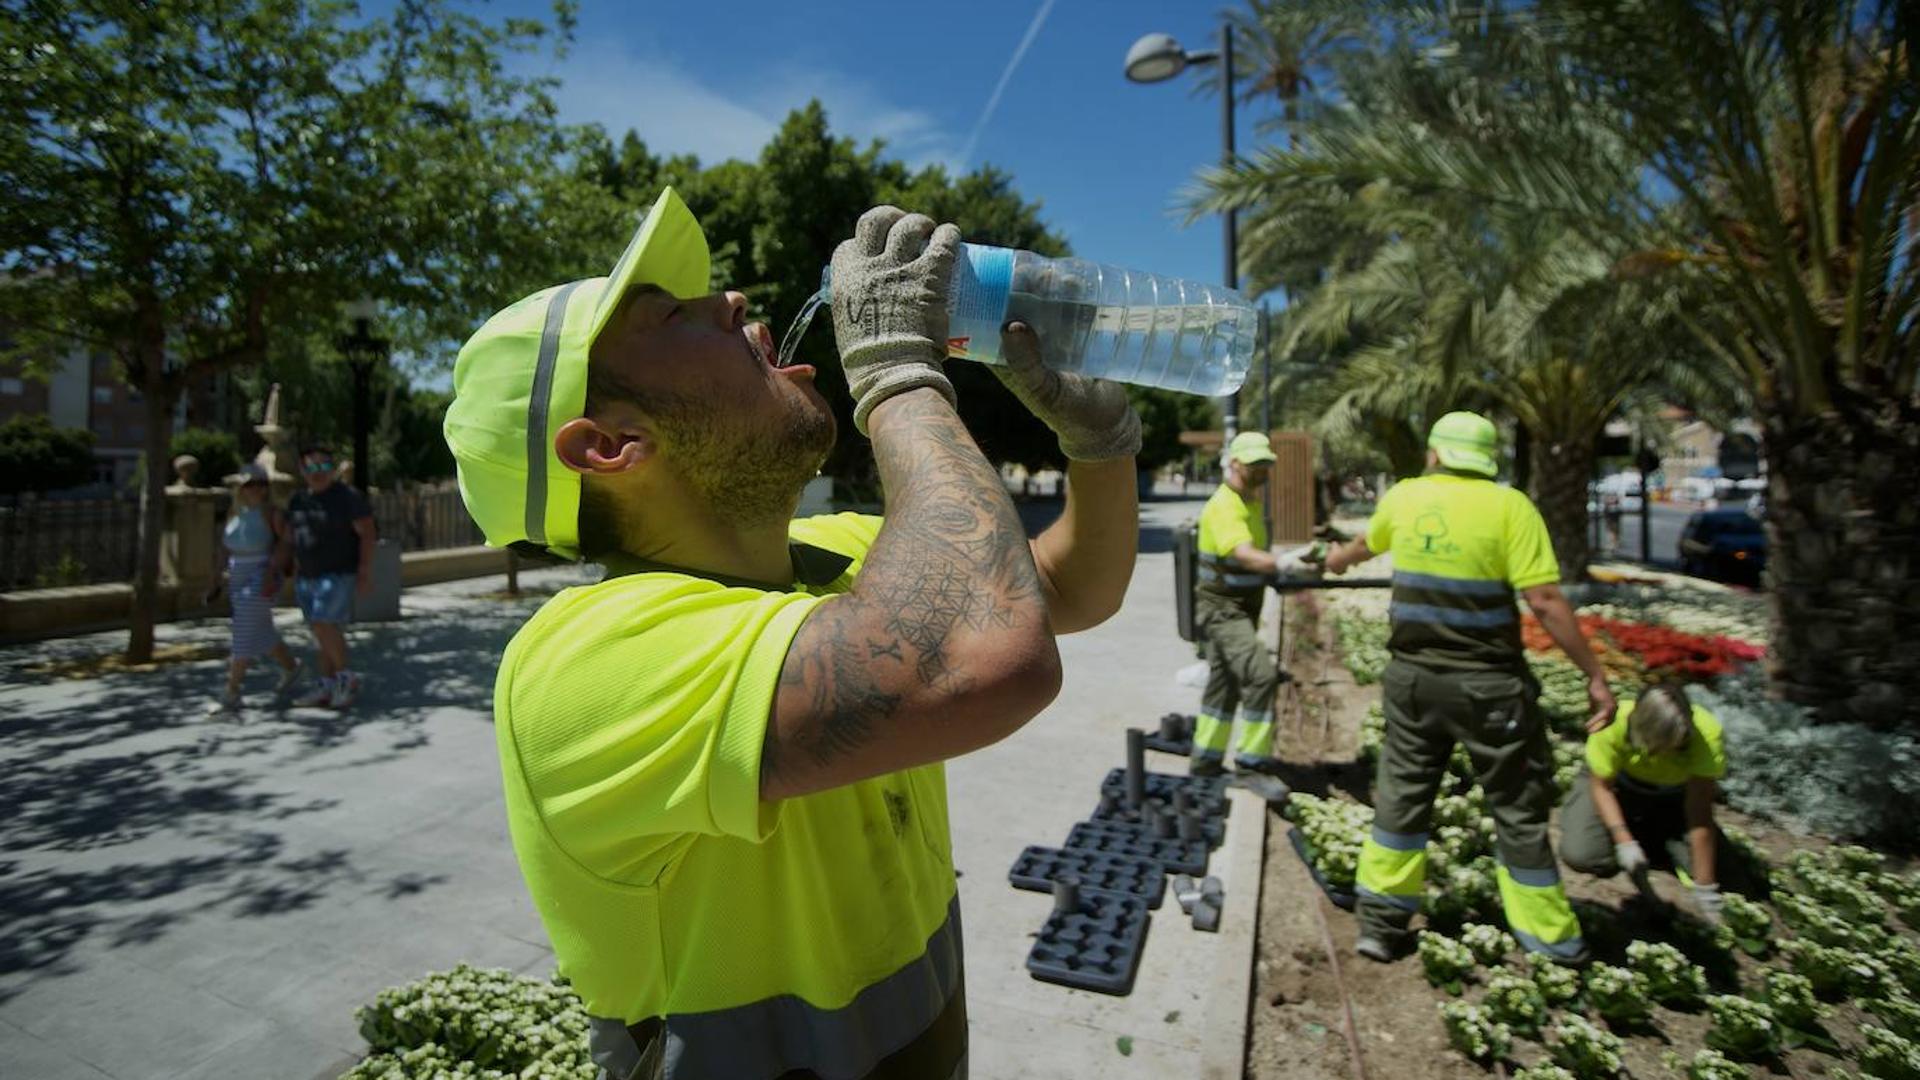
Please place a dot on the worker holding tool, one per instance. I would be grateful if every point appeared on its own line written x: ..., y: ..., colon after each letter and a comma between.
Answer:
x: 1235, y: 568
x: 1462, y: 547
x: 1646, y: 794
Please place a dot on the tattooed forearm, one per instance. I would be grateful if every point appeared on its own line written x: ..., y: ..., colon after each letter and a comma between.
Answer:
x: 950, y: 578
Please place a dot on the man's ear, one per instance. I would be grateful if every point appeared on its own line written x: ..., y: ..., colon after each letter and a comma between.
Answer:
x: 594, y: 448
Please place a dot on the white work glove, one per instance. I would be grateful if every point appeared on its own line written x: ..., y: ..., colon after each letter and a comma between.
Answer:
x: 1298, y: 563
x: 1631, y: 857
x: 1708, y: 902
x: 1092, y: 417
x: 890, y: 306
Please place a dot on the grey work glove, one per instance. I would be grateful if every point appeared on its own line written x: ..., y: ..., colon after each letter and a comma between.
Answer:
x: 1709, y: 903
x: 890, y: 306
x: 1631, y: 857
x: 1092, y: 417
x: 1298, y: 564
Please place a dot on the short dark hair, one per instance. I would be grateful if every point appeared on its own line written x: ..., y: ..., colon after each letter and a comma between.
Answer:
x: 316, y: 448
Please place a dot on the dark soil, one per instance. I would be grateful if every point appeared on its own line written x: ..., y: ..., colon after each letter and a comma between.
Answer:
x: 1297, y: 1017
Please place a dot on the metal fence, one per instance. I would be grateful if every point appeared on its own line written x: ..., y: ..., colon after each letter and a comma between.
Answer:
x: 47, y: 542
x: 51, y: 542
x: 424, y: 518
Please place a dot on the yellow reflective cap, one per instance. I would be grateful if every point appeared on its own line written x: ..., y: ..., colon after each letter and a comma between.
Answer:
x: 524, y: 373
x: 1250, y: 448
x: 1466, y: 440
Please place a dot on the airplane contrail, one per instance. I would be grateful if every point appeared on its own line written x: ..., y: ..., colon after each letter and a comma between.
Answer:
x: 993, y: 102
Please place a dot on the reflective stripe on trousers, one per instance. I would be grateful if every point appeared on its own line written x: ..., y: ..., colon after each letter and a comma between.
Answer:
x: 1393, y: 868
x: 775, y: 1036
x: 1538, y: 912
x: 1210, y: 736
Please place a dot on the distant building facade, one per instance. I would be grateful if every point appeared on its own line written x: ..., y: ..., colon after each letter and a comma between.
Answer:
x: 84, y: 391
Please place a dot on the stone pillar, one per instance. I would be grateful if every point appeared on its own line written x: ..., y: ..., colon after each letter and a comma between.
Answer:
x: 190, y: 555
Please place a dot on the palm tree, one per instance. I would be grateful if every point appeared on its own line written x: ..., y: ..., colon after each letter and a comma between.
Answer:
x: 1428, y: 300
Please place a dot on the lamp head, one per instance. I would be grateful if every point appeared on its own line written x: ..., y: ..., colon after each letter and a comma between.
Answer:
x: 1155, y: 58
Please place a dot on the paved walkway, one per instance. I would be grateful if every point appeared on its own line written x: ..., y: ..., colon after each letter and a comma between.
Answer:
x: 185, y: 897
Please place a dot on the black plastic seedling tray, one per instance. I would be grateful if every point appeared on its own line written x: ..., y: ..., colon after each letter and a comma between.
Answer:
x: 1174, y: 735
x: 1096, y: 947
x: 1213, y: 829
x: 1207, y: 794
x: 1123, y: 838
x: 1125, y: 875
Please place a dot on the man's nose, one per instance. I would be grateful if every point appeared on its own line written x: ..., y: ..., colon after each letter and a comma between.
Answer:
x: 730, y: 309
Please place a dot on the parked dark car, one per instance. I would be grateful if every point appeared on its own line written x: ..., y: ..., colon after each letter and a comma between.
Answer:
x: 1727, y: 545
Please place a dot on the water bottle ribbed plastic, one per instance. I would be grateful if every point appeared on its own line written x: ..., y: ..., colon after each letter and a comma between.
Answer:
x: 1104, y: 321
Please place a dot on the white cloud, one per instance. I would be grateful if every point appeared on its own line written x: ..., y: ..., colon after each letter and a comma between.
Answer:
x: 676, y: 111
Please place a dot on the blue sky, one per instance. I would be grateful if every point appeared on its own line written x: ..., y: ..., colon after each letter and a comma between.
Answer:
x: 1106, y: 158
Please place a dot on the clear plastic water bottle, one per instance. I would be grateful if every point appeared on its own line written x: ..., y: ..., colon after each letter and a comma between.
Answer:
x: 1104, y: 321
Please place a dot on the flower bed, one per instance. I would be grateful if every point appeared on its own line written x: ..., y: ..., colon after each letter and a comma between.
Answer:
x: 1816, y: 973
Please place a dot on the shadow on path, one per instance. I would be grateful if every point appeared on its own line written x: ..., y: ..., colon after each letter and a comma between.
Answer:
x: 128, y: 812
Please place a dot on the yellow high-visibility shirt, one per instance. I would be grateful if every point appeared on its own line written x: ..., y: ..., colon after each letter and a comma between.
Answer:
x: 818, y: 933
x: 1462, y: 547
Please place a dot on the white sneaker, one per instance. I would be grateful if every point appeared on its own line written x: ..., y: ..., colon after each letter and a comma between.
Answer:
x: 289, y: 677
x: 346, y: 687
x: 320, y: 696
x: 223, y: 706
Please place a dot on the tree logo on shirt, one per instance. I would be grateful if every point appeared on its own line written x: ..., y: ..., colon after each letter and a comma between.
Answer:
x: 1431, y: 527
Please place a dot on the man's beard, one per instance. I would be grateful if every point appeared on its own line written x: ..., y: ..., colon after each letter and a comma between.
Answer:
x: 748, y: 473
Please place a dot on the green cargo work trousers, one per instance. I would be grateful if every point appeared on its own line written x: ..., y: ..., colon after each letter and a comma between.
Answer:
x: 1240, y: 672
x: 1493, y: 715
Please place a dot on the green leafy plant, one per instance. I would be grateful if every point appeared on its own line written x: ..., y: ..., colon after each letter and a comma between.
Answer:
x: 1543, y: 1070
x: 1742, y: 1028
x: 1791, y: 998
x: 1619, y: 995
x: 1447, y: 962
x: 1473, y: 1031
x: 1334, y: 830
x: 485, y: 1023
x: 1463, y: 892
x: 1516, y: 1001
x: 1363, y: 644
x: 1899, y: 1012
x: 1583, y: 1049
x: 1889, y: 1056
x: 1559, y: 984
x: 1713, y: 1065
x: 1488, y: 944
x: 1672, y: 979
x: 1837, y: 973
x: 1749, y: 923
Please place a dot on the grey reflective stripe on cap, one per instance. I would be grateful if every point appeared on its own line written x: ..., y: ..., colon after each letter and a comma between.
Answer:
x: 539, y: 399
x: 780, y: 1035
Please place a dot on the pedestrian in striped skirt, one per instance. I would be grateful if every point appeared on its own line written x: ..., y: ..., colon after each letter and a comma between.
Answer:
x: 253, y: 535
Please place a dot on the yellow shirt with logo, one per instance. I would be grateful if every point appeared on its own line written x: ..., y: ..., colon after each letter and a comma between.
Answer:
x: 1610, y: 753
x: 1226, y: 522
x: 1462, y: 548
x: 630, y: 716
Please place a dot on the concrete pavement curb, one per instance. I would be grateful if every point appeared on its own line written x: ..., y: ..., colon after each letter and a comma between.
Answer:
x: 1231, y: 996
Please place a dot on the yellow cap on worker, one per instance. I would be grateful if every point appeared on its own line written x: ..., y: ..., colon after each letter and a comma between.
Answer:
x: 1250, y: 448
x: 1467, y: 441
x: 524, y: 373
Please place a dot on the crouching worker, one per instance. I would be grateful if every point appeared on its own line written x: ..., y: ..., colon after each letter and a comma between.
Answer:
x: 1645, y: 798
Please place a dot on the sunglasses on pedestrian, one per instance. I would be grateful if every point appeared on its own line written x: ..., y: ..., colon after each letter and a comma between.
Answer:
x: 318, y: 466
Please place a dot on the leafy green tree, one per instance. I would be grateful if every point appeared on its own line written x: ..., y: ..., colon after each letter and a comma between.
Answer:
x: 194, y: 186
x: 36, y: 456
x: 217, y: 451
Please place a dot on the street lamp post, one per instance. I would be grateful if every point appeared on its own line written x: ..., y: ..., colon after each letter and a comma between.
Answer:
x: 363, y: 350
x: 1157, y: 58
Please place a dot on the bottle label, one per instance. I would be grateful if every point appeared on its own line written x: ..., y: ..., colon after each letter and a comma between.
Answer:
x: 977, y: 302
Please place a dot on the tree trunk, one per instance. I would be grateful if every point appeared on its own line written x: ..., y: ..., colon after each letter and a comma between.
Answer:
x: 153, y: 515
x: 1559, y: 470
x: 1843, y: 568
